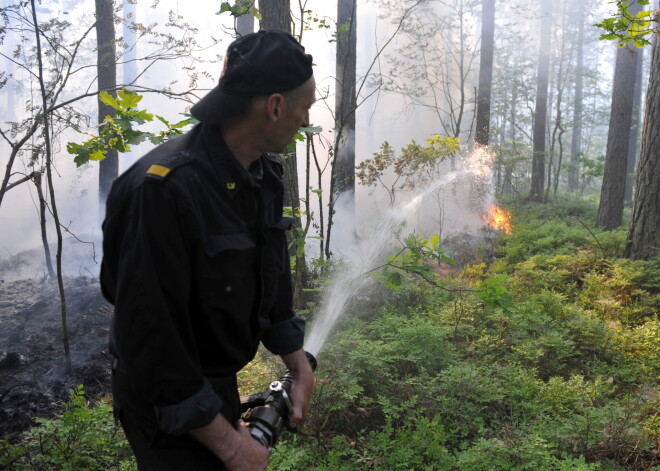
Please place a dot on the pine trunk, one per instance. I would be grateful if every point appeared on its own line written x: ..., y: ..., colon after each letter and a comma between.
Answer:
x: 634, y: 129
x: 576, y: 137
x: 485, y: 72
x: 612, y: 193
x: 644, y: 233
x: 343, y: 168
x: 541, y: 109
x: 107, y: 80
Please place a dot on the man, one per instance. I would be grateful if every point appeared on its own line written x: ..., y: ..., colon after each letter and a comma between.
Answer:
x: 196, y: 265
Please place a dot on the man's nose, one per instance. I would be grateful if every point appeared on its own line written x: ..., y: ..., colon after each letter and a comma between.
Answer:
x: 305, y: 121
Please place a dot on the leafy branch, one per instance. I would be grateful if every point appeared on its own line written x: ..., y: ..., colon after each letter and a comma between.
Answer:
x: 415, y: 166
x: 239, y: 8
x: 417, y: 256
x: 626, y: 27
x: 118, y: 132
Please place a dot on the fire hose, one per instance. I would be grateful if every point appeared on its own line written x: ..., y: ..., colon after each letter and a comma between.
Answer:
x: 266, y: 413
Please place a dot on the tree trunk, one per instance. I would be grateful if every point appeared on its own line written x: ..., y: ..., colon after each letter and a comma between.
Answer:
x: 275, y: 14
x: 644, y: 233
x: 107, y: 80
x: 49, y: 175
x: 343, y: 167
x: 634, y: 129
x: 576, y: 137
x: 129, y: 68
x: 485, y: 72
x: 610, y: 210
x: 42, y: 224
x: 244, y: 24
x: 541, y: 109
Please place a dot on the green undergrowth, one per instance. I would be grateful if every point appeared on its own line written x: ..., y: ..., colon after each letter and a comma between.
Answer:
x: 546, y: 357
x: 83, y: 437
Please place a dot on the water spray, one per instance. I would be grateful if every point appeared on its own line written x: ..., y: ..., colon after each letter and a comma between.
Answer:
x: 377, y: 241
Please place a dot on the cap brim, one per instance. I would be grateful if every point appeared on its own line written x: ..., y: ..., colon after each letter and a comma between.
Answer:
x: 218, y: 106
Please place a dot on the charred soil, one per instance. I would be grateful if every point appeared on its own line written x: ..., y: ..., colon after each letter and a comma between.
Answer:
x: 34, y: 381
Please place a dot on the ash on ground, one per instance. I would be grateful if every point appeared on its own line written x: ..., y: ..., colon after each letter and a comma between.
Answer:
x: 33, y: 377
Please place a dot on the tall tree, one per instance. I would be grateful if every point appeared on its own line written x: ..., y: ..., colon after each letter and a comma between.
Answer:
x: 576, y: 137
x: 482, y: 131
x: 343, y: 168
x: 245, y: 24
x: 541, y: 108
x: 634, y: 128
x: 129, y: 67
x: 644, y: 232
x: 275, y: 14
x: 612, y: 194
x: 107, y: 80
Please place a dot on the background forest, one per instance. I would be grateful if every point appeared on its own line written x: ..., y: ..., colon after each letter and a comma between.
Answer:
x: 476, y: 203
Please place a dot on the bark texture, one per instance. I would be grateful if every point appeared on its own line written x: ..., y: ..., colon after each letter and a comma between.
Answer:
x: 342, y: 185
x: 644, y: 233
x: 576, y: 137
x: 541, y: 109
x: 345, y: 100
x: 107, y: 80
x: 612, y: 193
x: 633, y: 146
x: 275, y: 14
x: 485, y: 72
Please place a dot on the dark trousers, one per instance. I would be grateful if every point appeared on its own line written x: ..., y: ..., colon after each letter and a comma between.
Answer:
x: 157, y: 451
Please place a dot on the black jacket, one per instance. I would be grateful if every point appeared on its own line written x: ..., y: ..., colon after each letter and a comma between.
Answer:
x: 196, y: 264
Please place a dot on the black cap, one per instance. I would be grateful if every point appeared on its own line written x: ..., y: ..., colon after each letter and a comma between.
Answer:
x: 256, y: 64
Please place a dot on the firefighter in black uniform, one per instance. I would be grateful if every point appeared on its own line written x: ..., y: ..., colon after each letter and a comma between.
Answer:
x: 196, y: 265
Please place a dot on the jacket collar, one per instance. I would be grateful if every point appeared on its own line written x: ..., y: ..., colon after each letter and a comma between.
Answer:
x: 233, y: 176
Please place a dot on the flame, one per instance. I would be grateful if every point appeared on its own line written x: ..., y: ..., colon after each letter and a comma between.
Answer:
x: 498, y: 218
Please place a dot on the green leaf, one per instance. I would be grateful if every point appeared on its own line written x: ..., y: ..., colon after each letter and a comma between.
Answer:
x: 163, y: 120
x: 143, y: 116
x: 109, y: 100
x: 73, y: 148
x: 128, y: 99
x: 124, y: 123
x: 311, y: 129
x: 224, y: 8
x: 97, y: 155
x: 393, y: 279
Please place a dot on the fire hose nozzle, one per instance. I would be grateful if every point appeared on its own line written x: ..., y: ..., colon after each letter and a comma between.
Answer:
x: 266, y: 413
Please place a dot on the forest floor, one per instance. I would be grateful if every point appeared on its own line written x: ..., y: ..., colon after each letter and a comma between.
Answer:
x: 33, y: 378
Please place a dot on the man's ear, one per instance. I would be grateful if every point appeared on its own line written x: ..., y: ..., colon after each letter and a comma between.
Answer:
x: 275, y: 106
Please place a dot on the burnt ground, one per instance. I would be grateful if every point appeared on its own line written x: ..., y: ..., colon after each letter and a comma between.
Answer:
x: 33, y: 377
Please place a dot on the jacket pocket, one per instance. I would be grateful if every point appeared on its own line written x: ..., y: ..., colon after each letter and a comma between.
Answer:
x: 229, y: 268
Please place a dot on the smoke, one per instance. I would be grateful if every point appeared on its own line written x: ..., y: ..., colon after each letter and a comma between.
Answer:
x: 451, y: 204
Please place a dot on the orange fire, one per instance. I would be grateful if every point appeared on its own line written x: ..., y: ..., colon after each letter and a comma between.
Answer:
x: 498, y: 218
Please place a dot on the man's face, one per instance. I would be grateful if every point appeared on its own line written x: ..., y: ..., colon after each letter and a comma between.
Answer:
x: 295, y: 116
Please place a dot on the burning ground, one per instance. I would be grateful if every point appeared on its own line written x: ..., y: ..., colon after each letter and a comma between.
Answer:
x: 33, y: 378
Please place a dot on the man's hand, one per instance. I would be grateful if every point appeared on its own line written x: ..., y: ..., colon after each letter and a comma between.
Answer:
x: 236, y: 448
x: 301, y: 390
x: 249, y: 455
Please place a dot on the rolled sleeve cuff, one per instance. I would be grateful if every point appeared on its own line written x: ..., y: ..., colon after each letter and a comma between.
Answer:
x: 285, y: 337
x: 194, y: 412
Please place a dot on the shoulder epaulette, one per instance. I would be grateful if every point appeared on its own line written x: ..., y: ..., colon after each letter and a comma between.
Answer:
x: 162, y: 167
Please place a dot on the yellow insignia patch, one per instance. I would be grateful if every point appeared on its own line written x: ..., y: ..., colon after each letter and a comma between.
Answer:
x: 231, y: 186
x: 158, y: 170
